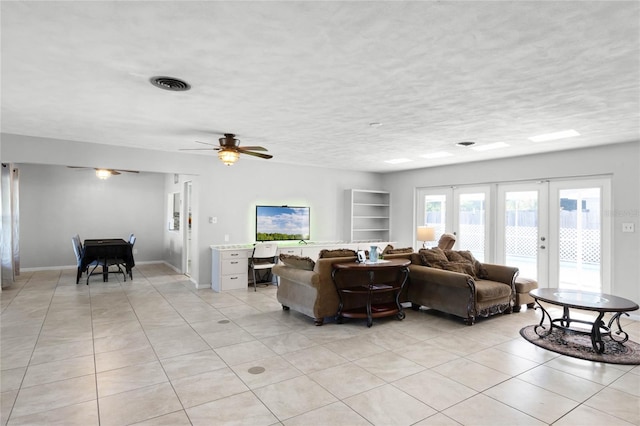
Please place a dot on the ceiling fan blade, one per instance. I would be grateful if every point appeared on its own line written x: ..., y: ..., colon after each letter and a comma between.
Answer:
x: 114, y: 172
x: 128, y: 171
x: 252, y: 148
x: 205, y: 143
x: 256, y: 154
x: 78, y: 167
x: 199, y: 149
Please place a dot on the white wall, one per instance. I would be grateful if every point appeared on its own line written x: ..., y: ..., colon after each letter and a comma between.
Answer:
x: 57, y: 202
x: 227, y: 193
x: 620, y: 161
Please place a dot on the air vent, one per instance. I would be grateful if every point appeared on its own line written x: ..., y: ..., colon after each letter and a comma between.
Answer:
x: 170, y: 83
x: 466, y: 143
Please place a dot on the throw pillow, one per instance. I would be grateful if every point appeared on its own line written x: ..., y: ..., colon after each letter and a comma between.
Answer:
x: 479, y: 271
x: 432, y: 257
x: 461, y: 267
x: 297, y: 262
x: 324, y: 254
x: 424, y: 261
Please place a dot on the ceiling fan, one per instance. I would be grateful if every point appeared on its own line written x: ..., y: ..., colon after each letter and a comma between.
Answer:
x: 104, y: 173
x: 229, y: 150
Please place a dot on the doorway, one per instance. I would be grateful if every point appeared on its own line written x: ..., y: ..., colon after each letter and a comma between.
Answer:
x: 188, y: 224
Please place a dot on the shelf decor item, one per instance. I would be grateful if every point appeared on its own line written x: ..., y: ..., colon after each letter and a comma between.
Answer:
x: 373, y: 254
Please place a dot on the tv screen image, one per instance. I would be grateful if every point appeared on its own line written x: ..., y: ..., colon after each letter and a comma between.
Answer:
x: 282, y: 223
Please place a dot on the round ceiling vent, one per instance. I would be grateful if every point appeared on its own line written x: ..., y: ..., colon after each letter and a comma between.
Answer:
x: 170, y: 83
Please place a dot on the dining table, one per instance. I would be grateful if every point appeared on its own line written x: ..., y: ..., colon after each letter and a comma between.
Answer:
x: 103, y: 250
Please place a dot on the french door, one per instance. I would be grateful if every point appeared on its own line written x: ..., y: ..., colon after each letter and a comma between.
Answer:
x: 579, y: 257
x: 522, y: 228
x: 463, y: 212
x: 553, y: 231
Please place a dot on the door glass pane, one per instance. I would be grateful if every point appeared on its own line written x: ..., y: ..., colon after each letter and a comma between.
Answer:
x: 435, y: 213
x: 471, y: 219
x: 580, y: 248
x: 521, y: 232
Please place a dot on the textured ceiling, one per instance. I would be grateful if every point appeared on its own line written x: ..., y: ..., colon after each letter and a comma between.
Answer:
x: 306, y: 79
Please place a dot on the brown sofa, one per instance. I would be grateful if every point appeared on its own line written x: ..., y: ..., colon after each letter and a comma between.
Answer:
x: 461, y: 294
x: 309, y: 291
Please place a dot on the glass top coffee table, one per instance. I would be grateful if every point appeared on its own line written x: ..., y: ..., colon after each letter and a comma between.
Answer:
x: 597, y: 302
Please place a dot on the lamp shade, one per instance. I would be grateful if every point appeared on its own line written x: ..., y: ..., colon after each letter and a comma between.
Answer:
x: 426, y: 233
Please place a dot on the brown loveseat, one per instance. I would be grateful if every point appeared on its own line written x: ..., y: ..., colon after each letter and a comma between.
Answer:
x: 475, y: 290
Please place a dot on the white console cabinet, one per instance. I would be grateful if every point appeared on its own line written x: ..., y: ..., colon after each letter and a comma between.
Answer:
x: 230, y: 264
x: 229, y: 268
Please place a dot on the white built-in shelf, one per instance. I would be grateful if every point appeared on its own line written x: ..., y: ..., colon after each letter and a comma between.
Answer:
x: 367, y: 216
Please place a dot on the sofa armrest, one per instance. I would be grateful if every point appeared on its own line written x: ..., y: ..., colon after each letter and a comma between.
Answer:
x: 501, y: 273
x: 298, y: 276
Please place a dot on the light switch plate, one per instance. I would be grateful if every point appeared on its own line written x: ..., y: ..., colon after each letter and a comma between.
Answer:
x: 628, y: 227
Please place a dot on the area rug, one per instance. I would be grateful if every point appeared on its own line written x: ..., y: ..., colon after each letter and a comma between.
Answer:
x: 570, y: 343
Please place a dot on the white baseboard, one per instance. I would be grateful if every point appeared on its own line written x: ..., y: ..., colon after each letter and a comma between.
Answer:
x: 57, y: 268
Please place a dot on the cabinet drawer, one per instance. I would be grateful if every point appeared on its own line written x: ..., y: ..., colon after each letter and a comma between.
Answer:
x: 234, y: 266
x: 233, y: 282
x: 234, y: 254
x: 295, y: 251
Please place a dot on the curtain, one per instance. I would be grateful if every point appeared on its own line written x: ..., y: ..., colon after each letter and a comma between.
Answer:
x: 10, y: 231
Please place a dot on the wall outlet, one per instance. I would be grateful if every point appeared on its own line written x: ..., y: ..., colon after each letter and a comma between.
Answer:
x: 214, y: 219
x: 226, y: 238
x: 135, y: 251
x: 628, y: 227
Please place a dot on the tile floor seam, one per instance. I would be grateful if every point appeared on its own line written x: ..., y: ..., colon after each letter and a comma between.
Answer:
x: 35, y: 344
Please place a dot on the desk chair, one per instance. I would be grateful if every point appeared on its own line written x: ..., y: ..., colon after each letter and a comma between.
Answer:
x: 79, y: 251
x: 263, y: 258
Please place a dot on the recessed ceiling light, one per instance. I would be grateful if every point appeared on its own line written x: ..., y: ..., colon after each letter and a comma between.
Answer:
x: 170, y: 83
x: 439, y: 154
x: 465, y: 143
x: 490, y: 146
x: 398, y: 161
x: 554, y: 136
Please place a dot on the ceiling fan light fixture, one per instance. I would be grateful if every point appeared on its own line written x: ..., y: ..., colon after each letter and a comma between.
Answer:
x: 103, y: 173
x: 228, y: 156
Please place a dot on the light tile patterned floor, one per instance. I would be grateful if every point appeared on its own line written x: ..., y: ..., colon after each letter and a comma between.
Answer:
x: 155, y: 351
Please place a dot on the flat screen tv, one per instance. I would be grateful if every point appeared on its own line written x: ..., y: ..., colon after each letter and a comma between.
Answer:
x: 282, y: 223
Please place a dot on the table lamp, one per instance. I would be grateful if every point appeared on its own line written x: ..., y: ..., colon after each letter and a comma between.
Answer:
x: 426, y: 233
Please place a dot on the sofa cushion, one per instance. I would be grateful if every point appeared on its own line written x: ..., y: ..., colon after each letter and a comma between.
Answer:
x: 324, y: 254
x: 466, y: 256
x: 432, y: 257
x: 491, y: 290
x: 297, y: 262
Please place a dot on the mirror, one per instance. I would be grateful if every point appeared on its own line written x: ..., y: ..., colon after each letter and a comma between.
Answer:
x: 174, y: 211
